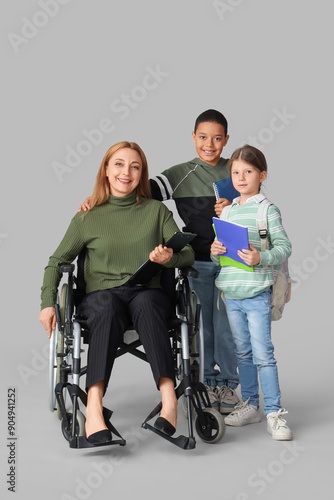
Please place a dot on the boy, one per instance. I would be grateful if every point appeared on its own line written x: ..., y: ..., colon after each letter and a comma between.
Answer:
x: 190, y: 184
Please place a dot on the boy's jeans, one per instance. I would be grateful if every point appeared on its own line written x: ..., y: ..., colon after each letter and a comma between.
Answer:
x: 218, y: 341
x: 250, y: 322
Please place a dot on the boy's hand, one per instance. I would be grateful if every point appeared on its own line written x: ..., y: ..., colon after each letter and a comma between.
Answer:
x: 220, y: 204
x: 250, y: 257
x: 161, y: 254
x: 217, y: 248
x: 85, y: 205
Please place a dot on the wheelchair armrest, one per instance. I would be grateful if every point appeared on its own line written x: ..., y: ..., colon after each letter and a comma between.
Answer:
x: 67, y: 268
x: 189, y: 271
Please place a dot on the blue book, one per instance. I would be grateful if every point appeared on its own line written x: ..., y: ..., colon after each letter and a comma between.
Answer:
x: 234, y: 237
x: 225, y: 189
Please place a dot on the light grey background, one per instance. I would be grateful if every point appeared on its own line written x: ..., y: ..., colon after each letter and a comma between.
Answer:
x: 253, y: 60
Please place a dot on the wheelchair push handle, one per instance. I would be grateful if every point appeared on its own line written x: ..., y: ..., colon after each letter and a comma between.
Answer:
x: 67, y: 268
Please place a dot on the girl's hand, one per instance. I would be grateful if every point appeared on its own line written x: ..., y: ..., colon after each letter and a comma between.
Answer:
x: 221, y: 203
x: 217, y: 248
x: 161, y: 254
x: 48, y: 319
x: 250, y: 257
x: 85, y: 205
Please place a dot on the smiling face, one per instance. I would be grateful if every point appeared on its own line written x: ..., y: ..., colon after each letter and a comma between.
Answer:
x: 124, y: 171
x: 246, y: 179
x: 209, y: 140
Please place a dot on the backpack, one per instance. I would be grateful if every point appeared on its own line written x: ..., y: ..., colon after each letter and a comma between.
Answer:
x: 281, y: 289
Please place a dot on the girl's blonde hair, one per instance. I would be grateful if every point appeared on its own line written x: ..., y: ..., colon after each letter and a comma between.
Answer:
x: 102, y: 187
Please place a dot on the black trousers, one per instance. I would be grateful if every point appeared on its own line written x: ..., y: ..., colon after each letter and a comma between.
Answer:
x: 108, y: 314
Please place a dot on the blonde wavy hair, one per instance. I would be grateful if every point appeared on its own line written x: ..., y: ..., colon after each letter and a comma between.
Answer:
x: 102, y: 187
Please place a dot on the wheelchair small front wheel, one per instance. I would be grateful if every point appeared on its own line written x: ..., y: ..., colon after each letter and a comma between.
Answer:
x: 213, y: 428
x: 80, y: 425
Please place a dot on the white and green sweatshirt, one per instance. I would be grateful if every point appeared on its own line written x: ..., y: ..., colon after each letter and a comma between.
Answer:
x: 239, y: 284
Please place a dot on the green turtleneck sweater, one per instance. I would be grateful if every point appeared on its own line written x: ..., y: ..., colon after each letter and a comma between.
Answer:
x: 118, y: 236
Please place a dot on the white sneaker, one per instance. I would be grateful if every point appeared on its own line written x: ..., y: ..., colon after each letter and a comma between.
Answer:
x: 243, y: 414
x: 213, y: 396
x: 228, y: 399
x: 276, y: 426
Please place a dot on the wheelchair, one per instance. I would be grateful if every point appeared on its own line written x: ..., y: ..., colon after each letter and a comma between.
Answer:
x: 186, y: 334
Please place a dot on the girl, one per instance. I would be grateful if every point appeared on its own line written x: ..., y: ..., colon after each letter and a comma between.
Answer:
x: 247, y: 295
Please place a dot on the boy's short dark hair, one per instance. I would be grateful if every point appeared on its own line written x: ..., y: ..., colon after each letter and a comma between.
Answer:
x: 211, y: 115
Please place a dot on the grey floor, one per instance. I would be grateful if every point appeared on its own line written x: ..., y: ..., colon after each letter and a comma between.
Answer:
x: 246, y: 464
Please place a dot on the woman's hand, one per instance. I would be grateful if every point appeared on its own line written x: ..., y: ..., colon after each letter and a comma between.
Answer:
x: 250, y: 257
x: 161, y: 254
x: 85, y: 205
x: 221, y: 203
x: 48, y: 319
x: 217, y: 248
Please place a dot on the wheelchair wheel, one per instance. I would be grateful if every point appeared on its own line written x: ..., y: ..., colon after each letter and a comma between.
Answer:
x: 60, y: 340
x: 56, y: 347
x: 62, y: 306
x: 214, y: 428
x: 56, y: 355
x: 198, y: 340
x: 80, y: 425
x: 53, y: 369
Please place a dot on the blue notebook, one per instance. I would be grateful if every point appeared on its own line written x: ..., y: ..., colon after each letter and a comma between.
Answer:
x: 234, y: 237
x: 225, y: 189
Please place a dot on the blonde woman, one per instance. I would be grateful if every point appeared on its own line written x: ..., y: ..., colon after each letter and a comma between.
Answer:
x: 119, y: 233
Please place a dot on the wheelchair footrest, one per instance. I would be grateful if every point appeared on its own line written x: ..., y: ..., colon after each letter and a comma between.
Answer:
x: 81, y: 442
x: 186, y: 443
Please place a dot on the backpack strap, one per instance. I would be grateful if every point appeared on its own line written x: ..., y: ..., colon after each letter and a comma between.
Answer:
x: 262, y: 226
x: 262, y: 223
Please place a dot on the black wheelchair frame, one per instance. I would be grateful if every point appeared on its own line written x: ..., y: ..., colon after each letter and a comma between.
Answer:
x: 185, y: 329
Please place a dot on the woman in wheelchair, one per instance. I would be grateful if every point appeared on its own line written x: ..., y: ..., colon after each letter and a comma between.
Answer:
x: 119, y: 234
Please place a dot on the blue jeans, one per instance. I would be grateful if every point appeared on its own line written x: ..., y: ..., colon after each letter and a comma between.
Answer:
x: 250, y: 322
x: 218, y: 341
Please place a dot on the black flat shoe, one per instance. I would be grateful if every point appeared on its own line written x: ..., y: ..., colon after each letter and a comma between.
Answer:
x: 100, y: 437
x: 163, y: 425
